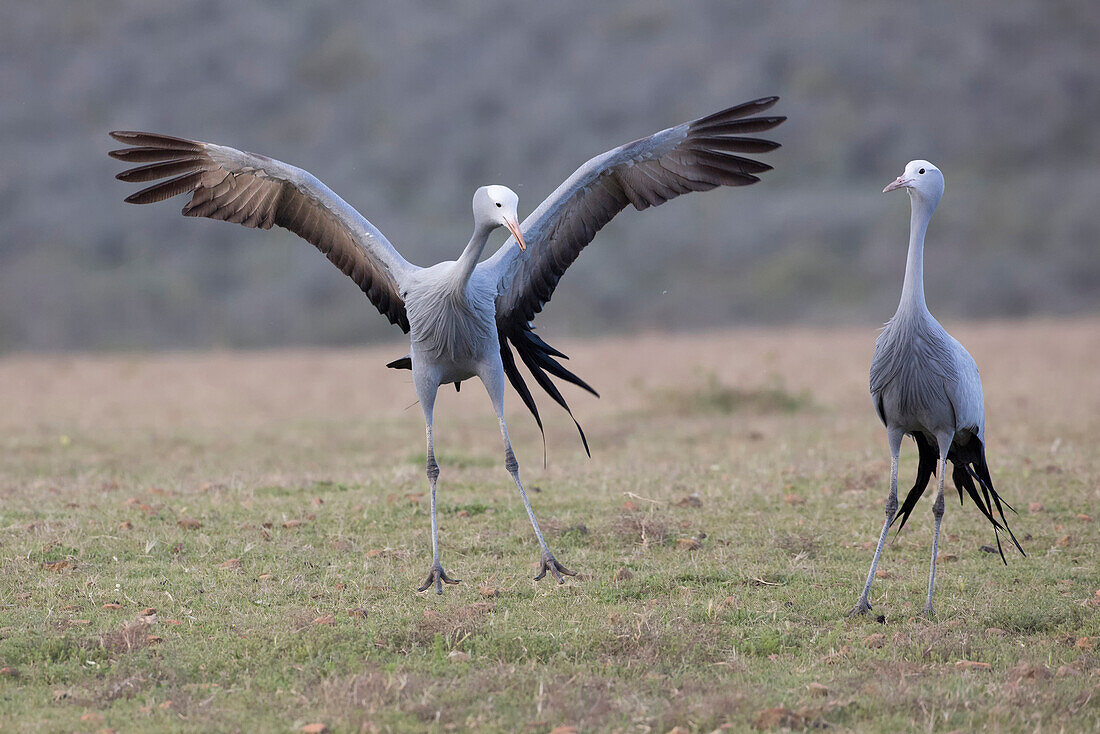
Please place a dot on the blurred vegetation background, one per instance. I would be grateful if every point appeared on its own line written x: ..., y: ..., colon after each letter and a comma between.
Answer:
x: 404, y: 108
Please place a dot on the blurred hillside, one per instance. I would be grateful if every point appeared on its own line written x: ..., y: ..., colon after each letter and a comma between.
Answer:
x: 404, y: 108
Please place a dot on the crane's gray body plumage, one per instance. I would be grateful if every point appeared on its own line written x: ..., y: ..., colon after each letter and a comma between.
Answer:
x: 922, y: 380
x: 924, y: 384
x: 465, y: 318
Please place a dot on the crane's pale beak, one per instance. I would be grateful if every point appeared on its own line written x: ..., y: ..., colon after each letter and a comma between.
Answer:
x: 898, y: 183
x: 513, y: 227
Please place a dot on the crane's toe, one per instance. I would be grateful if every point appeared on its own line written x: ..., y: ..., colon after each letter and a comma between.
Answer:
x: 438, y: 577
x: 862, y: 607
x: 549, y: 563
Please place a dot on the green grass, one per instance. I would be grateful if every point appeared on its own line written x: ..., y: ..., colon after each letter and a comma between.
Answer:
x: 691, y: 613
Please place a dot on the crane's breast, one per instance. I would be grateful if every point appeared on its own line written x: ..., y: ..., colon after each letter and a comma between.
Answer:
x: 451, y: 328
x: 910, y: 376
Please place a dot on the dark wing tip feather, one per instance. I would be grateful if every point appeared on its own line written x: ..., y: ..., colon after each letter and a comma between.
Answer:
x: 738, y: 112
x: 153, y: 140
x: 166, y: 189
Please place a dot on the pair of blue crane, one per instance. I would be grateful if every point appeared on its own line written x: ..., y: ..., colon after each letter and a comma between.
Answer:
x: 469, y: 318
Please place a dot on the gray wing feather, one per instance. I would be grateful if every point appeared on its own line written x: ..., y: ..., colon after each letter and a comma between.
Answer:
x: 694, y: 156
x: 966, y: 391
x: 257, y: 191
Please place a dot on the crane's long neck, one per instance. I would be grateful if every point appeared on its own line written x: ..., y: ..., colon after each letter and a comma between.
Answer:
x: 912, y: 291
x: 471, y: 255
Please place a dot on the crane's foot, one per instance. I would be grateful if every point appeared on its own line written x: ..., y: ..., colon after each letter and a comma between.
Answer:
x: 549, y: 563
x: 438, y: 577
x: 862, y: 607
x: 929, y: 611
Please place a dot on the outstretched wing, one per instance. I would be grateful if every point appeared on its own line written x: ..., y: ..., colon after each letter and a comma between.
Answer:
x: 257, y: 191
x: 694, y: 156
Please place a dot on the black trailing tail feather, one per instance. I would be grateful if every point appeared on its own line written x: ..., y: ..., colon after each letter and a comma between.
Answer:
x: 928, y: 455
x: 969, y: 472
x: 539, y: 358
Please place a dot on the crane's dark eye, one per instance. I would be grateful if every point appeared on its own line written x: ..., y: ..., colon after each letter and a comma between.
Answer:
x: 499, y: 204
x: 920, y: 171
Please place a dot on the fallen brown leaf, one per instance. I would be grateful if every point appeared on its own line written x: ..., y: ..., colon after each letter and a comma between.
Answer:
x: 189, y: 523
x: 817, y: 689
x: 1085, y: 643
x: 1034, y: 507
x: 794, y: 500
x: 491, y: 591
x: 688, y: 544
x: 776, y: 717
x: 624, y: 574
x: 58, y: 566
x: 874, y: 641
x: 947, y: 558
x: 291, y: 524
x: 691, y: 500
x: 112, y: 605
x: 316, y: 728
x: 231, y: 563
x: 325, y: 619
x: 125, y: 525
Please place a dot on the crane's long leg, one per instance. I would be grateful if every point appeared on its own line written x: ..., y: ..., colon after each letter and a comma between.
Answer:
x: 436, y: 575
x: 937, y: 515
x: 494, y: 385
x: 863, y: 605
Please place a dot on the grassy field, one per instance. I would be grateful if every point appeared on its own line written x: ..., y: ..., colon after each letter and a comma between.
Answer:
x: 270, y: 507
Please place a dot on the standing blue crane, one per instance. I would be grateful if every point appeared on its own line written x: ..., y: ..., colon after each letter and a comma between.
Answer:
x: 464, y: 317
x: 925, y: 384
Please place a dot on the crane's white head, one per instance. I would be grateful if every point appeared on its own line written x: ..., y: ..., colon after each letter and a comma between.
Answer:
x: 922, y: 179
x: 497, y: 206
